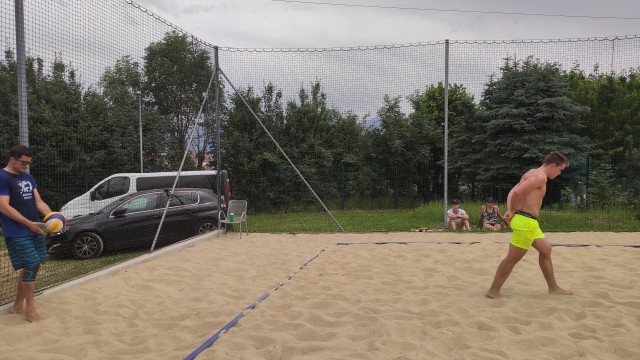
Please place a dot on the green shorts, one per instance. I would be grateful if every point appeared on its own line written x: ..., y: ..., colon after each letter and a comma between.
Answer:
x: 525, y: 231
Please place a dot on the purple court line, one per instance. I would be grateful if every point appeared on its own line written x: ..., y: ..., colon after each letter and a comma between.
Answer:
x: 584, y: 245
x: 474, y: 242
x: 408, y: 242
x: 235, y: 320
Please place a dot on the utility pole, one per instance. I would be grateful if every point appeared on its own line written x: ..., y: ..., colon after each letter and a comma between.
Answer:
x: 140, y: 125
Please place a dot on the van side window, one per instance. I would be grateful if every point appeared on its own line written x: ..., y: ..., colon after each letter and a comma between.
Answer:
x: 154, y: 182
x: 198, y: 181
x: 185, y: 181
x: 113, y: 187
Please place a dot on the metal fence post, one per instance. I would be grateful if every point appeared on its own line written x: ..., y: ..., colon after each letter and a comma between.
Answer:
x: 446, y: 131
x: 23, y: 114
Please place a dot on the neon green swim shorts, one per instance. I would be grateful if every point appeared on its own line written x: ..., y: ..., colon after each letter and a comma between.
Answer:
x: 525, y: 231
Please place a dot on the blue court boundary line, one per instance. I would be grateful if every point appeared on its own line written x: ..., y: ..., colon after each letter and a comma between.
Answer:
x: 235, y: 320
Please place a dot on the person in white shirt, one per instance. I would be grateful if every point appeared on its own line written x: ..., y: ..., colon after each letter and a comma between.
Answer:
x: 458, y: 218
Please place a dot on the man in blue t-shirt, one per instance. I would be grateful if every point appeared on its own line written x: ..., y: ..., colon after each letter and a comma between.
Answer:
x: 21, y: 227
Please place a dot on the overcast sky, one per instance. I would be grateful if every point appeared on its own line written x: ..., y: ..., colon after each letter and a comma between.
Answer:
x: 285, y: 24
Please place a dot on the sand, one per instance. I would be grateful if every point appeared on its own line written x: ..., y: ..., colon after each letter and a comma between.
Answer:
x: 360, y: 301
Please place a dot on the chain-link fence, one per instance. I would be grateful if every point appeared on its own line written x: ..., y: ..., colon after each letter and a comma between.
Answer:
x: 113, y: 89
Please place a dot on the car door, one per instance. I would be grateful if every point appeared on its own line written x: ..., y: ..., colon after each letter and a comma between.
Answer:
x: 134, y: 222
x: 180, y: 221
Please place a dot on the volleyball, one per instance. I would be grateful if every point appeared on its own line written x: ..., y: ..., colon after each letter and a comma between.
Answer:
x: 54, y: 222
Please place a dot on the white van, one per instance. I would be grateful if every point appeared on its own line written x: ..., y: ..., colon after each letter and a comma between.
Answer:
x: 118, y: 185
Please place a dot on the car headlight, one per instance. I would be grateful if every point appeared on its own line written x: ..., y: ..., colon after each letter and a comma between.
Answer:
x: 64, y: 229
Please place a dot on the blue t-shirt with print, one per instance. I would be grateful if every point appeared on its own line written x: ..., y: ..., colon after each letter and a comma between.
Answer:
x: 19, y: 188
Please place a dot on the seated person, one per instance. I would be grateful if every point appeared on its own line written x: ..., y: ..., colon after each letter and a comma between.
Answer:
x: 490, y: 216
x: 458, y: 218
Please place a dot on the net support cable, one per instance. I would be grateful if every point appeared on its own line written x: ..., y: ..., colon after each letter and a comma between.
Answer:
x: 281, y: 150
x: 184, y: 157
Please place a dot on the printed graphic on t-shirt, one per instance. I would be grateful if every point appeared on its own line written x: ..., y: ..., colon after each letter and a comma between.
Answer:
x: 26, y: 189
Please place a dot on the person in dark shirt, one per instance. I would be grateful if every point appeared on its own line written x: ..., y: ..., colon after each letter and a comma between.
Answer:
x: 490, y: 217
x: 22, y: 230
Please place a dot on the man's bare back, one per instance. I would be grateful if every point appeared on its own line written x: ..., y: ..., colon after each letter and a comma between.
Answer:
x: 531, y: 202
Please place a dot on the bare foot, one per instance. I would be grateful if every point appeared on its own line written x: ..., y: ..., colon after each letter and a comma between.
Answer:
x: 560, y: 291
x: 494, y: 295
x: 32, y: 316
x: 13, y: 310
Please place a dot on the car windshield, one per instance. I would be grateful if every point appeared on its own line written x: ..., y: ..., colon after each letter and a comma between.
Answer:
x: 111, y: 205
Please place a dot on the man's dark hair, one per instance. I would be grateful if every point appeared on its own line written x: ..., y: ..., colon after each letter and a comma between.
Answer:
x: 555, y: 158
x: 20, y: 150
x: 455, y: 202
x: 490, y: 200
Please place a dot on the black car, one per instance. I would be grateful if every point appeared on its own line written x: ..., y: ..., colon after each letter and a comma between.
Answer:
x: 132, y: 222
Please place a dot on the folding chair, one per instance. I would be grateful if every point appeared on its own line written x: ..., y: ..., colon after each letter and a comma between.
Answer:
x: 239, y: 210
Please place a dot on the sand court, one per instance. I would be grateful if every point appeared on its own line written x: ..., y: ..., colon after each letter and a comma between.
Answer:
x: 359, y: 301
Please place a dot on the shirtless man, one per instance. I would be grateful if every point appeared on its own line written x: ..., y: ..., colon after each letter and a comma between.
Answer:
x: 523, y: 208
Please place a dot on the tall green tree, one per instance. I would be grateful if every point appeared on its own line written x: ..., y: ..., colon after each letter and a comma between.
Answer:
x: 55, y: 102
x: 613, y: 124
x: 122, y: 90
x: 427, y: 137
x: 353, y: 177
x: 248, y: 152
x: 8, y: 102
x: 524, y: 114
x: 394, y: 151
x: 306, y: 132
x: 178, y: 72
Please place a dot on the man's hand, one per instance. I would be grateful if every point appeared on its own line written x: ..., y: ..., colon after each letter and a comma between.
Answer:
x: 507, y: 216
x: 36, y: 227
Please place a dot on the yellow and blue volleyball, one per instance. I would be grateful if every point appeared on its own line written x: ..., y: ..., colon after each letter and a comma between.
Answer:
x: 54, y: 222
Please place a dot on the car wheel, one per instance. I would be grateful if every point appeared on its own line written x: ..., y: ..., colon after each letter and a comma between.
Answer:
x: 87, y: 245
x: 206, y: 226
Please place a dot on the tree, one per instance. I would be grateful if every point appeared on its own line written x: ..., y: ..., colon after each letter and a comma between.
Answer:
x: 120, y: 86
x: 55, y: 102
x: 177, y: 75
x: 248, y: 153
x: 524, y: 115
x: 427, y: 137
x: 305, y: 139
x: 8, y: 101
x: 613, y: 124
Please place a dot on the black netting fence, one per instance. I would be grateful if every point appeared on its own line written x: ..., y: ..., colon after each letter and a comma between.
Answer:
x: 114, y: 94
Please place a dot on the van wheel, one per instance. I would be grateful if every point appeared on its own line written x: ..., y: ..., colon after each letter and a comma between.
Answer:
x: 206, y: 226
x: 87, y: 245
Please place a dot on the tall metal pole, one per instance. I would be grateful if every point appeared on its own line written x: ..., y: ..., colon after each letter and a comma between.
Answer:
x: 23, y: 116
x: 217, y: 120
x: 140, y: 126
x: 446, y: 131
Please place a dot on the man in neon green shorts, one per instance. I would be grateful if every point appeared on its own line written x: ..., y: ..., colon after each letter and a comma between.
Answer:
x: 523, y: 207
